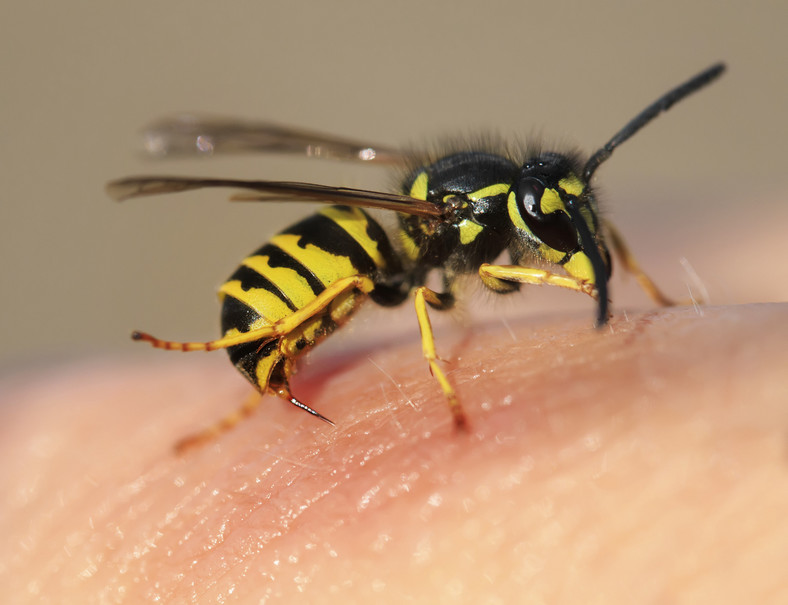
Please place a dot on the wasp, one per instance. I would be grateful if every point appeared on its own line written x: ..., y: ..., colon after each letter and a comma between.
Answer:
x: 457, y: 213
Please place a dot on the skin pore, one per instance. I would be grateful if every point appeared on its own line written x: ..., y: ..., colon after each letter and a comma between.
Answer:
x: 642, y: 463
x: 646, y: 463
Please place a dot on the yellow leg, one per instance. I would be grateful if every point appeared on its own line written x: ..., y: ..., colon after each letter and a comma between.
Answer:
x: 275, y: 330
x: 225, y: 424
x: 229, y: 422
x: 494, y: 275
x: 425, y: 296
x: 630, y: 264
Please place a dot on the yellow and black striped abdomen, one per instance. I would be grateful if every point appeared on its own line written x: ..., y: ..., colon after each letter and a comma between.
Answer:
x: 288, y: 273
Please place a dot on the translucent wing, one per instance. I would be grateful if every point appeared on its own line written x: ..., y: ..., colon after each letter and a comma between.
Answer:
x: 187, y: 134
x: 141, y: 186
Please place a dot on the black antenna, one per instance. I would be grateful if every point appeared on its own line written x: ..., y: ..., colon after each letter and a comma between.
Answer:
x: 664, y: 103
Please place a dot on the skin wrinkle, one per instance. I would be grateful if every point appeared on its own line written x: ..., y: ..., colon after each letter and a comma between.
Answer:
x: 511, y: 484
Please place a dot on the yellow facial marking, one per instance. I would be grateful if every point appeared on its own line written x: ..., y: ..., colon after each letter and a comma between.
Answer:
x: 353, y: 221
x: 551, y: 201
x: 579, y: 266
x: 419, y: 188
x: 469, y: 230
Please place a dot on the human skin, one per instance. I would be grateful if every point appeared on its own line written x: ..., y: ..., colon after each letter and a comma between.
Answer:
x: 642, y: 463
x: 646, y: 462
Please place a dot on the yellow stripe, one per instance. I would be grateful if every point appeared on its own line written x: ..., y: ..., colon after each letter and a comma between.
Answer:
x: 326, y: 267
x: 292, y: 285
x: 264, y: 367
x: 490, y: 191
x: 408, y: 245
x: 355, y: 223
x: 419, y: 188
x: 311, y: 332
x: 266, y: 303
x: 514, y: 213
x: 469, y: 231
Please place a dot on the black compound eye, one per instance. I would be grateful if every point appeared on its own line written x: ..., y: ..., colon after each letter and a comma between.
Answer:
x: 529, y: 198
x: 554, y: 229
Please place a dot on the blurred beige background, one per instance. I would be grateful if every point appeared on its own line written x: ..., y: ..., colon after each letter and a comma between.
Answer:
x: 79, y: 79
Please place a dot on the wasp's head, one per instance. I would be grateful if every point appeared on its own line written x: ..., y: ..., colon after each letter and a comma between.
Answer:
x: 553, y: 208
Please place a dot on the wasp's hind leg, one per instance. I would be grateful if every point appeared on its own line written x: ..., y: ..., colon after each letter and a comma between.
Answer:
x: 624, y: 255
x: 275, y: 330
x: 250, y: 404
x: 266, y: 333
x: 277, y: 385
x: 280, y: 339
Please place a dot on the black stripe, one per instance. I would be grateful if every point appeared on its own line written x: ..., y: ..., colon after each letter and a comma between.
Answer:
x: 324, y: 233
x: 279, y: 258
x: 251, y: 279
x: 238, y: 315
x: 377, y: 234
x: 246, y: 357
